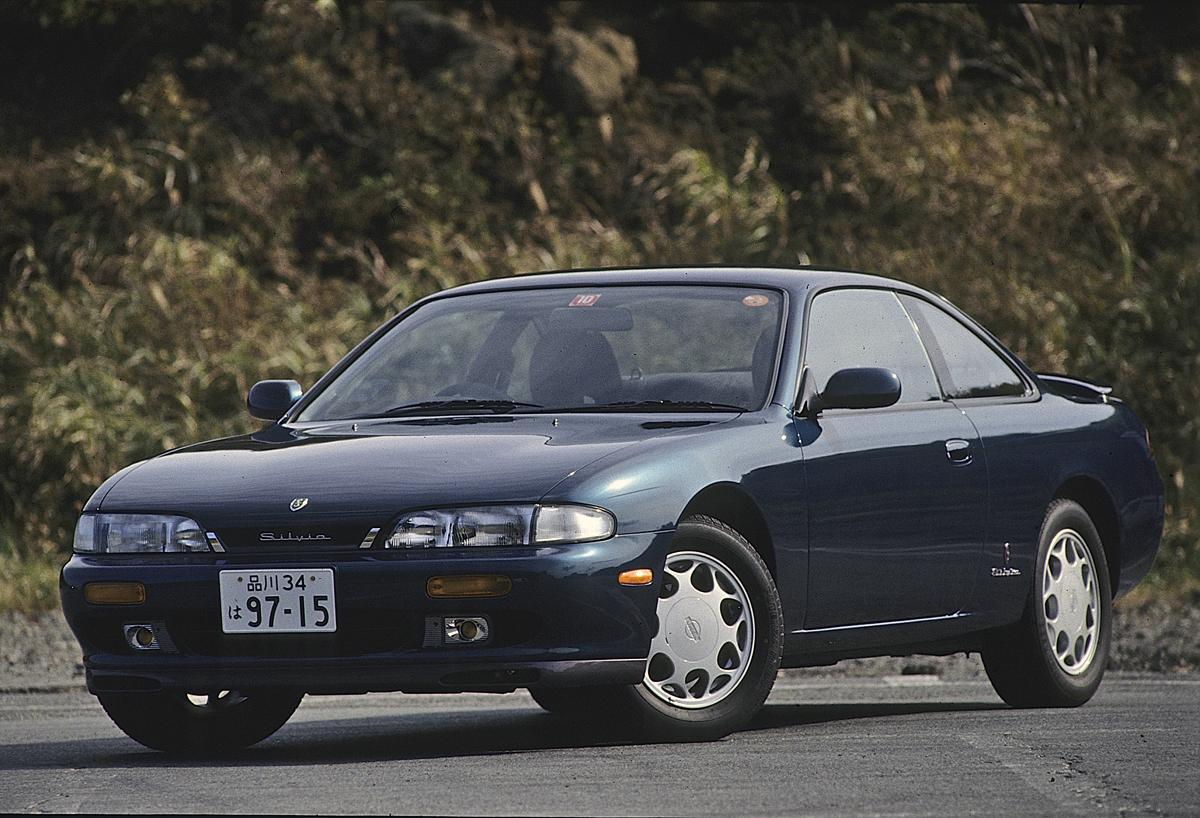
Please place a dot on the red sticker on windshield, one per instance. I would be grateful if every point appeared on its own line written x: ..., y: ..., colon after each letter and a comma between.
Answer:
x: 584, y: 300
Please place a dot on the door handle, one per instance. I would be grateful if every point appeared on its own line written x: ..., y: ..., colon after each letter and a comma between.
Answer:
x: 959, y: 452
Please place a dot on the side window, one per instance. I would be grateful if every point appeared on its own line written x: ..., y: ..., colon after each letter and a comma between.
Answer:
x: 853, y: 328
x: 972, y: 368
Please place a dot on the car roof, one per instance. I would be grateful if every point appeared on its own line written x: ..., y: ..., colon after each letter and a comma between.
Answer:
x: 795, y: 279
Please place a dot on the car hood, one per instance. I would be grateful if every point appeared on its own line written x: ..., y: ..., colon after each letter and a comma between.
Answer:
x: 355, y: 476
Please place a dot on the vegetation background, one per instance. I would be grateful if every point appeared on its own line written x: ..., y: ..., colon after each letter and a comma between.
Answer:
x: 196, y: 195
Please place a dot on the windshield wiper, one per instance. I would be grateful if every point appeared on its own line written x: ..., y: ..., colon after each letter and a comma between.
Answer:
x: 657, y: 406
x: 495, y: 406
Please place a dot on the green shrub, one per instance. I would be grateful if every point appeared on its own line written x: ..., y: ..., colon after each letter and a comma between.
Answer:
x: 196, y: 196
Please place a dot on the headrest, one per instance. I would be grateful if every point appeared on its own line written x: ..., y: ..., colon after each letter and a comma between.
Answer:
x: 569, y: 366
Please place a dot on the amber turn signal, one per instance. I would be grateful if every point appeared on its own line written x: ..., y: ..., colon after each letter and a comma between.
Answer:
x: 114, y: 593
x: 638, y: 576
x: 468, y: 586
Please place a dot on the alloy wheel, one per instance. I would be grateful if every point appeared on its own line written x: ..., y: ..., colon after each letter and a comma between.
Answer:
x: 1071, y: 602
x: 705, y: 637
x: 212, y: 700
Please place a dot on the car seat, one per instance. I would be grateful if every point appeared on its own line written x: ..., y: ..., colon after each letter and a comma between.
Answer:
x: 570, y: 366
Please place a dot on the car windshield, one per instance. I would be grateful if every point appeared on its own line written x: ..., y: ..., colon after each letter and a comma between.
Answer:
x: 589, y: 348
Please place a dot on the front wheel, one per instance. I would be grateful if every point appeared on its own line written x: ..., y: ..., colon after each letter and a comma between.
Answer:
x: 200, y: 724
x: 716, y: 649
x: 1056, y: 654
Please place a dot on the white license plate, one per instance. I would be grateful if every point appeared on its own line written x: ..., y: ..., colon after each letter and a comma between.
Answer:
x: 278, y: 601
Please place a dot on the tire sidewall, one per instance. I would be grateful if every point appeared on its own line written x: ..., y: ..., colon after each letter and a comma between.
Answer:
x: 724, y: 544
x: 164, y: 720
x: 1078, y: 688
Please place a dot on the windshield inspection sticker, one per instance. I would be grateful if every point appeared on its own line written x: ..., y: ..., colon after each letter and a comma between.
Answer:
x: 585, y: 300
x: 756, y: 301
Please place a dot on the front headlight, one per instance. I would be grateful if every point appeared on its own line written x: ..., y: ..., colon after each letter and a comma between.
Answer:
x: 501, y: 526
x: 138, y: 534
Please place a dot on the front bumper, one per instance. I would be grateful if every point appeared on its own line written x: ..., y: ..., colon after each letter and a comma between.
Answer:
x: 566, y: 621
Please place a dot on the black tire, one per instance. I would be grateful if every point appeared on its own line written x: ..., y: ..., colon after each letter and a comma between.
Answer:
x: 575, y: 702
x: 1019, y: 659
x: 637, y: 708
x: 171, y: 722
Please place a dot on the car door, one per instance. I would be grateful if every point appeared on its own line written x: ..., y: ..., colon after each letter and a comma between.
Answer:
x: 896, y: 496
x: 1016, y: 434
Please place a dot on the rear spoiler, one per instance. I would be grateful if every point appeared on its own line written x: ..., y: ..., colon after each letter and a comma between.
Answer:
x: 1077, y: 388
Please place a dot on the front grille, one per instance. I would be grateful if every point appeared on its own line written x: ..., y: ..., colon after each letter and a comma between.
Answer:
x: 281, y: 539
x: 358, y: 634
x: 355, y: 636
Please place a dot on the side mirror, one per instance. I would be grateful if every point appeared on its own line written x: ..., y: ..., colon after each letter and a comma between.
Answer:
x: 866, y: 387
x: 270, y: 400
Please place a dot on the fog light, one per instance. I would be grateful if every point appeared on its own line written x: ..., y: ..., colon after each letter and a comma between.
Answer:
x: 466, y: 629
x: 141, y: 637
x: 468, y: 586
x: 114, y: 593
x: 637, y: 576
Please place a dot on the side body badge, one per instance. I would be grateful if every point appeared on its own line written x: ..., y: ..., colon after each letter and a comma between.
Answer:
x: 298, y: 503
x: 1006, y: 570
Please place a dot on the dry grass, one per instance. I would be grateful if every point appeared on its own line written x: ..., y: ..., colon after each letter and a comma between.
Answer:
x: 207, y: 200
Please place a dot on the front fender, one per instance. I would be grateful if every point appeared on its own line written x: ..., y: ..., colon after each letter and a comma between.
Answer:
x: 648, y: 486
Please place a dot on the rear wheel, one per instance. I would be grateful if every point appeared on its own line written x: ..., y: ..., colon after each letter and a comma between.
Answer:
x: 716, y: 648
x: 207, y: 723
x: 1056, y: 654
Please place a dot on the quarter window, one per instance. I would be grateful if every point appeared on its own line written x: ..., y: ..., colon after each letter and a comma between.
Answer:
x: 969, y: 367
x: 857, y: 328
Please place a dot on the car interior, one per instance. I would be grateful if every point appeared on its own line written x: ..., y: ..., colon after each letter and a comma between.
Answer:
x: 576, y: 366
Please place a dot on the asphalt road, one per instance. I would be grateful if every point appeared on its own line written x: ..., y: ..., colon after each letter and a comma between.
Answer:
x: 894, y: 745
